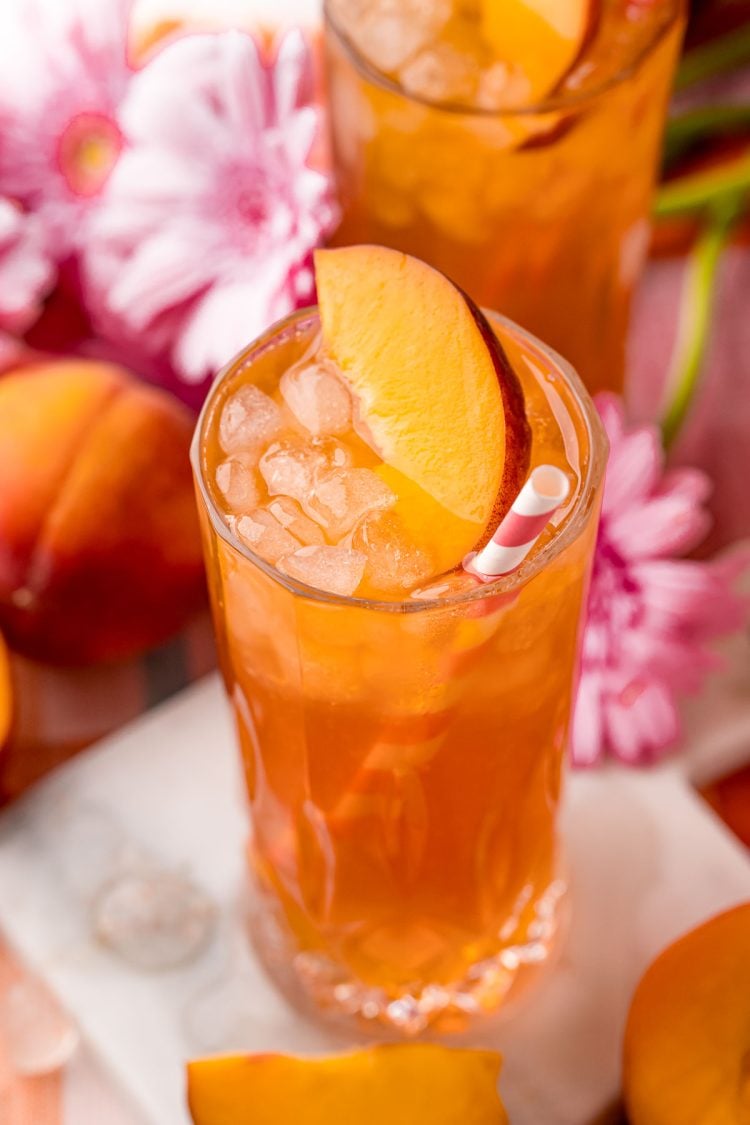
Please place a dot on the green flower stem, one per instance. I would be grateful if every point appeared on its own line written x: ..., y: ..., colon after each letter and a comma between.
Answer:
x: 704, y: 190
x: 696, y: 307
x: 688, y: 129
x: 717, y: 57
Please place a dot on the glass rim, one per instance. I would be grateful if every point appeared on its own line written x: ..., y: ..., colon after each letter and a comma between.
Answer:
x: 598, y: 447
x: 573, y: 101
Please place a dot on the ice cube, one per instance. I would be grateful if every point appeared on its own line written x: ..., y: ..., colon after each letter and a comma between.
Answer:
x: 154, y: 919
x: 342, y: 497
x: 447, y: 586
x: 291, y: 467
x: 317, y: 398
x: 335, y: 455
x: 338, y: 570
x: 441, y: 73
x: 237, y: 481
x: 249, y: 421
x: 265, y: 536
x: 388, y: 32
x: 293, y: 519
x: 394, y: 562
x: 363, y: 431
x: 500, y: 86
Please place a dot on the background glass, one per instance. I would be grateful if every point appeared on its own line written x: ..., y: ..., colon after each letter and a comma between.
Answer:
x: 541, y: 212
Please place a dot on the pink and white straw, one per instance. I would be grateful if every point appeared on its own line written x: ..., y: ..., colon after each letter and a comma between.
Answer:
x: 545, y: 490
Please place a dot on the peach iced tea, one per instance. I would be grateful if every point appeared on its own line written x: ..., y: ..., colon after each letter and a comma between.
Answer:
x: 402, y: 725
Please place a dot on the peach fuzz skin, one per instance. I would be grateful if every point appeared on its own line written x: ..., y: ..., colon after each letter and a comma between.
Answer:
x: 687, y: 1040
x: 402, y: 1084
x: 6, y: 695
x: 99, y: 545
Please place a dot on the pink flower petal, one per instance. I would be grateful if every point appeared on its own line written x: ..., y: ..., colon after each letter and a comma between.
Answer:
x: 692, y: 485
x: 63, y: 72
x: 642, y: 722
x: 633, y: 471
x: 292, y: 75
x: 207, y: 223
x: 651, y: 616
x: 685, y: 593
x: 659, y: 527
x: 611, y: 411
x: 587, y: 745
x: 26, y: 271
x: 223, y: 321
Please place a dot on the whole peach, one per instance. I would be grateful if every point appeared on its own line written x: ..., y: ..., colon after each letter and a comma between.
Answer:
x: 687, y: 1038
x: 99, y: 547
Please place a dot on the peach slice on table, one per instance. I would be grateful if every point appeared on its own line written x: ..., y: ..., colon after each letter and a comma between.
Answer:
x: 434, y: 390
x: 687, y: 1040
x: 402, y: 1084
x: 542, y: 38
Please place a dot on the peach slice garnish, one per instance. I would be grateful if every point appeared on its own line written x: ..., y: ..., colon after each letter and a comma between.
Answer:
x: 434, y: 389
x: 541, y: 38
x: 402, y: 1084
x: 687, y: 1040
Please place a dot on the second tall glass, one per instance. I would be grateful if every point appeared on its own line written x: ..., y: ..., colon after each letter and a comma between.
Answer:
x: 541, y: 211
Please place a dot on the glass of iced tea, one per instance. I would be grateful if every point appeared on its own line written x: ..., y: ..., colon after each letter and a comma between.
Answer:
x: 402, y: 725
x: 519, y: 159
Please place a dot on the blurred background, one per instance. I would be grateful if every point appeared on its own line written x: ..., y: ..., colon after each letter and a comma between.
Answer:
x: 125, y: 284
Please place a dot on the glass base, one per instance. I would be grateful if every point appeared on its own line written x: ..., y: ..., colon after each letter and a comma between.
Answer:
x: 324, y: 990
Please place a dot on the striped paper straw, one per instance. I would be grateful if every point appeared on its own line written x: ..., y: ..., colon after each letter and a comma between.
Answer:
x: 545, y: 490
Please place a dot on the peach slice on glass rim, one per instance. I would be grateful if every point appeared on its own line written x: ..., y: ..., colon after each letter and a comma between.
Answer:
x: 541, y: 38
x: 401, y: 1083
x: 434, y: 390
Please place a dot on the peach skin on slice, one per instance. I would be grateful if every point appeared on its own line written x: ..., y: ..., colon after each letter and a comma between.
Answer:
x: 687, y: 1040
x: 434, y: 388
x: 6, y: 695
x: 401, y: 1084
x: 729, y: 797
x: 542, y: 38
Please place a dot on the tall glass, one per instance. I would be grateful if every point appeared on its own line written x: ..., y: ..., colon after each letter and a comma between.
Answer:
x: 541, y: 211
x: 403, y: 759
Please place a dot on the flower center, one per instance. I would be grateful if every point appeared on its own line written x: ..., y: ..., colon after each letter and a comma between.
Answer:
x: 252, y: 203
x: 87, y: 152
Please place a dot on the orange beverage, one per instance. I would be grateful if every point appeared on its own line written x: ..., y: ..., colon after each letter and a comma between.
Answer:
x: 522, y: 165
x: 402, y: 729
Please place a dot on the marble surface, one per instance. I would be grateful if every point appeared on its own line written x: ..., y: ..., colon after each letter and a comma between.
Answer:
x: 647, y: 861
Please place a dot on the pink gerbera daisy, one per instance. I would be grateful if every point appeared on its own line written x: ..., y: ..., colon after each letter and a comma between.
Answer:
x: 651, y: 615
x: 63, y: 72
x: 26, y: 270
x: 205, y: 228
